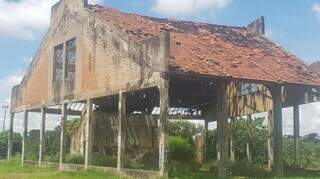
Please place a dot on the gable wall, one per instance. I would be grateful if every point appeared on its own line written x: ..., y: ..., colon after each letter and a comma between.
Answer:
x: 107, y: 61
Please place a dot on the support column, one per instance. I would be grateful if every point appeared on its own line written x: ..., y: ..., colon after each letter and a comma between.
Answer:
x: 25, y: 137
x: 89, y: 134
x: 63, y: 134
x: 231, y: 137
x: 9, y: 154
x: 163, y: 128
x: 42, y: 135
x: 249, y: 138
x: 270, y: 140
x: 296, y: 130
x: 277, y: 130
x: 121, y: 131
x: 222, y: 133
x: 205, y: 136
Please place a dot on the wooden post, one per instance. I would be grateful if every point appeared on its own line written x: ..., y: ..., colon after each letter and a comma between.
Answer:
x: 25, y: 137
x: 270, y: 140
x: 296, y: 125
x: 42, y: 134
x: 205, y: 135
x: 89, y: 133
x: 63, y: 134
x: 249, y: 138
x: 277, y: 130
x: 121, y: 131
x: 9, y: 154
x: 163, y: 128
x: 231, y: 137
x: 222, y: 135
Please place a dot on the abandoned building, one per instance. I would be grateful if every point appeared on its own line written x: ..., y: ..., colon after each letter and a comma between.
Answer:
x: 131, y: 73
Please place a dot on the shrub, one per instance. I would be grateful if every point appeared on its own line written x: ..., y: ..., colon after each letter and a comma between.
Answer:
x: 180, y: 149
x: 52, y: 158
x: 212, y: 145
x: 132, y: 164
x: 75, y: 159
x: 177, y: 169
x: 32, y: 156
x: 245, y: 168
x: 104, y: 160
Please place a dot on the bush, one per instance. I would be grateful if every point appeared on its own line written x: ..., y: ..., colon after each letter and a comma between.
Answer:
x: 212, y: 145
x: 244, y: 168
x: 180, y: 149
x: 104, y: 160
x: 75, y: 159
x: 52, y: 158
x: 131, y: 164
x: 179, y: 169
x: 33, y: 156
x: 184, y: 129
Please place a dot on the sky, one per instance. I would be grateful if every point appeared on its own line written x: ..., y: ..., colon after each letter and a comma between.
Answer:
x: 294, y: 24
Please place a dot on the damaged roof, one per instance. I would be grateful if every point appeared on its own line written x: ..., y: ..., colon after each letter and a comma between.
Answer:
x: 215, y: 50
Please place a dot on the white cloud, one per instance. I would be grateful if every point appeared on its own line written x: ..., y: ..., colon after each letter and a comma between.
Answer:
x: 7, y: 83
x: 25, y: 18
x: 316, y: 9
x: 181, y: 8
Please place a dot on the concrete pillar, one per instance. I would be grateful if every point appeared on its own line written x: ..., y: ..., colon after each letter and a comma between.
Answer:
x: 42, y: 135
x: 24, y: 138
x: 231, y: 137
x: 205, y: 136
x: 277, y: 130
x: 89, y: 134
x: 270, y: 140
x: 296, y: 130
x: 222, y: 130
x: 121, y: 131
x: 249, y: 138
x: 9, y: 154
x: 63, y: 134
x: 163, y: 128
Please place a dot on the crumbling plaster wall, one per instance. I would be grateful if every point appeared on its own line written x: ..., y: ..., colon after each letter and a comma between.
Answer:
x: 141, y: 135
x: 107, y: 61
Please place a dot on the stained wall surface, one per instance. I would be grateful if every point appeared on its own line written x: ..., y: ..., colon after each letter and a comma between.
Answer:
x: 106, y: 61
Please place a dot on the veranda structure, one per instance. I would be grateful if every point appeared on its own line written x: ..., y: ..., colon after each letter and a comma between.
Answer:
x: 91, y: 53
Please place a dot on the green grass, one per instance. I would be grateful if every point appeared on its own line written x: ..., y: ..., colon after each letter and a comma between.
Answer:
x: 13, y: 170
x: 288, y: 175
x: 238, y: 171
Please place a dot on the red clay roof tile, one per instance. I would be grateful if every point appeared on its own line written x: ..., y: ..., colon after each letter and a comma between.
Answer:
x: 215, y: 50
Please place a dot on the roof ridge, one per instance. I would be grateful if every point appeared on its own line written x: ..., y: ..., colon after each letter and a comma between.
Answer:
x: 152, y: 18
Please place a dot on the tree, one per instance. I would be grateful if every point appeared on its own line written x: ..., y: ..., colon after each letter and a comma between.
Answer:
x: 52, y: 144
x: 16, y: 144
x: 259, y: 140
x: 312, y: 138
x: 33, y: 144
x: 211, y: 145
x: 184, y: 129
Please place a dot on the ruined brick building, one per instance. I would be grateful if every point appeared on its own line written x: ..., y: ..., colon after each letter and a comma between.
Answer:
x: 121, y: 65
